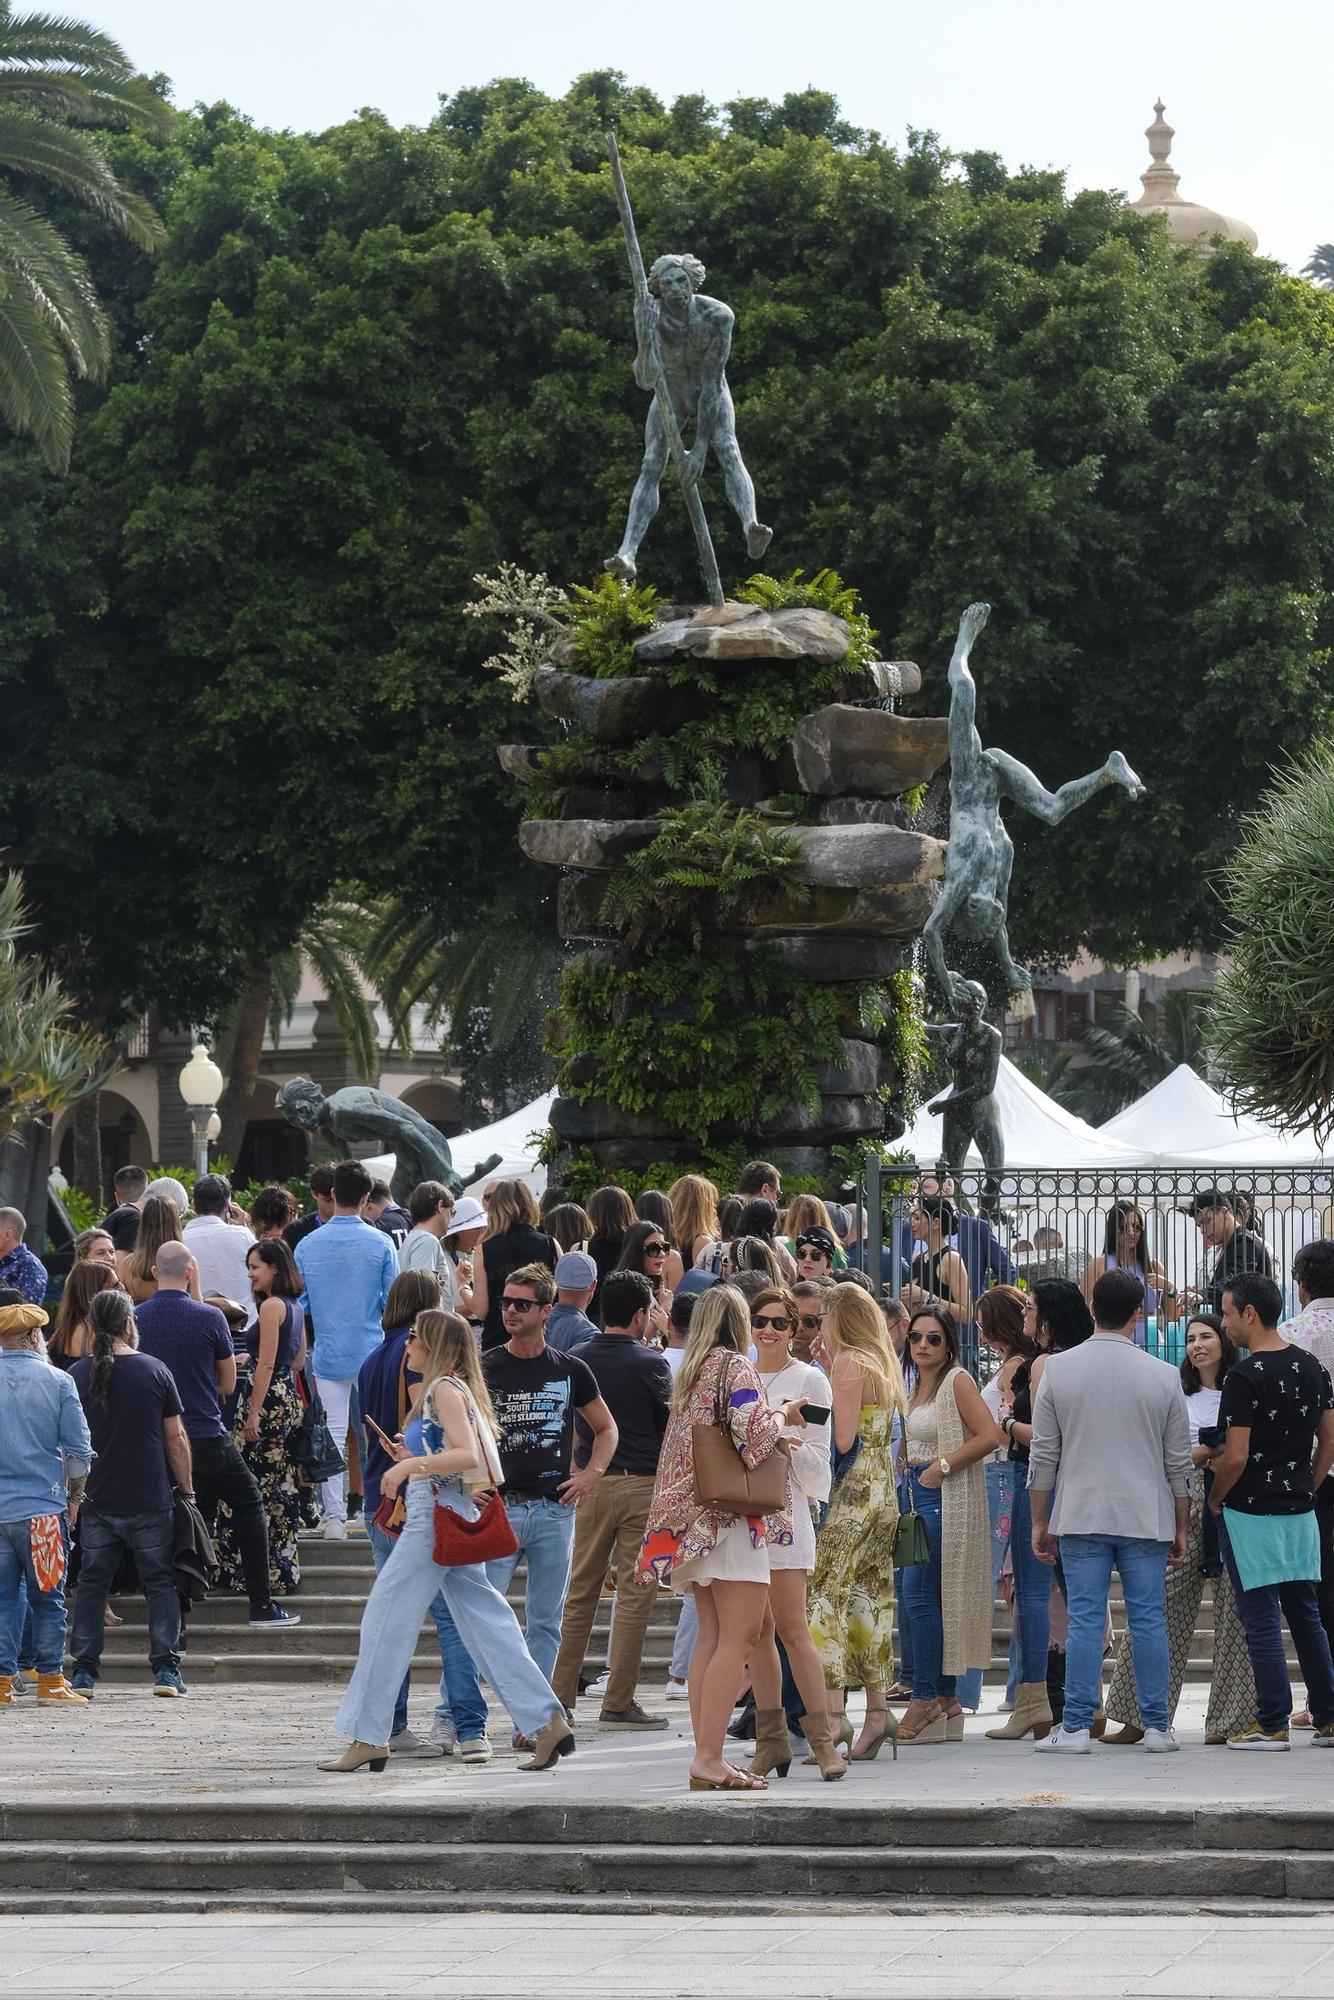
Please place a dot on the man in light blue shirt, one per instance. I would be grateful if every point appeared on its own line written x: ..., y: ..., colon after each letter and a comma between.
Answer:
x: 346, y: 1267
x: 44, y: 1450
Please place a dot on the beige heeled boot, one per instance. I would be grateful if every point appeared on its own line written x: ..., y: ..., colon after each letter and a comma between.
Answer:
x: 1031, y: 1715
x: 815, y: 1728
x: 773, y: 1752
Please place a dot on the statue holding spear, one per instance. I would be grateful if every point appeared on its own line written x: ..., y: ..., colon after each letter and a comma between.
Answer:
x: 684, y: 339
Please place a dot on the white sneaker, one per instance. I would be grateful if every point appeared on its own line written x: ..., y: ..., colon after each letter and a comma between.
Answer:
x: 475, y: 1750
x: 676, y: 1691
x: 1158, y: 1741
x: 335, y: 1531
x: 444, y: 1734
x: 599, y: 1686
x: 1066, y: 1742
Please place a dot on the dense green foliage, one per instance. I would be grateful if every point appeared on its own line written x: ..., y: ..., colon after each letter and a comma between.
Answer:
x: 1272, y: 1019
x: 370, y: 363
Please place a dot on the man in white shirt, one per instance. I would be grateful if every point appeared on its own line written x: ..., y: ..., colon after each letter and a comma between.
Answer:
x: 219, y: 1247
x: 431, y: 1210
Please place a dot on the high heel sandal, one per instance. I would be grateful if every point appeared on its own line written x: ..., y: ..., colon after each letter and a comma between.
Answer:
x: 358, y: 1757
x: 553, y: 1740
x: 954, y: 1728
x: 735, y: 1781
x: 890, y: 1732
x: 931, y: 1729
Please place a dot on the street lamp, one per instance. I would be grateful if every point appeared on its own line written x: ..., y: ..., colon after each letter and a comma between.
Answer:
x: 200, y: 1088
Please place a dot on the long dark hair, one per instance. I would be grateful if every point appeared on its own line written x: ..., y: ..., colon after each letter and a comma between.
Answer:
x: 653, y: 1206
x: 632, y: 1249
x: 1001, y: 1313
x: 271, y: 1250
x: 110, y: 1318
x: 612, y: 1214
x: 1063, y: 1311
x: 1190, y: 1374
x: 1118, y: 1215
x: 948, y: 1325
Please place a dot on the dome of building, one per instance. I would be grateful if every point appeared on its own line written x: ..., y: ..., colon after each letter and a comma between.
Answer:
x: 1188, y: 222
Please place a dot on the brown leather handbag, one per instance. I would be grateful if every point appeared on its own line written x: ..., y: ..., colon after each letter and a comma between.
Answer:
x: 724, y: 1481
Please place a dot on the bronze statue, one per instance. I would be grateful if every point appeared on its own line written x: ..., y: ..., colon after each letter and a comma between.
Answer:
x: 969, y: 1109
x: 977, y: 873
x: 357, y: 1116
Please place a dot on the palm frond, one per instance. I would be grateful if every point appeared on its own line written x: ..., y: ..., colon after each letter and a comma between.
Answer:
x: 35, y: 393
x: 36, y: 255
x: 58, y: 38
x: 335, y: 967
x: 71, y: 160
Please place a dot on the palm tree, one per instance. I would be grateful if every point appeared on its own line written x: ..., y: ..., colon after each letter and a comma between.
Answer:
x: 47, y: 1064
x: 55, y: 77
x: 1321, y: 264
x: 1116, y: 1059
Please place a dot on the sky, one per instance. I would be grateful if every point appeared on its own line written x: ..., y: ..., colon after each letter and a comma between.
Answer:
x: 1060, y: 83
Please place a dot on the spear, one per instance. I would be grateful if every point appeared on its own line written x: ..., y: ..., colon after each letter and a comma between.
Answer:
x: 662, y: 395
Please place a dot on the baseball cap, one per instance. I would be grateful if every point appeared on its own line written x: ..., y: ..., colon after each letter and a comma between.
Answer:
x: 468, y: 1214
x: 575, y: 1271
x: 839, y: 1216
x: 693, y: 1282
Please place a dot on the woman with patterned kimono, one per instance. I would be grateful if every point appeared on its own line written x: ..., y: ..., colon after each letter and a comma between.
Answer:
x: 268, y: 1410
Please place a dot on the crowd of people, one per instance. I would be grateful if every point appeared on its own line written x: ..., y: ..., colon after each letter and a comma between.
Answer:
x: 712, y: 1398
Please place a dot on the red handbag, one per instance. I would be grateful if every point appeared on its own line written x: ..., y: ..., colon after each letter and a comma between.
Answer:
x: 484, y: 1539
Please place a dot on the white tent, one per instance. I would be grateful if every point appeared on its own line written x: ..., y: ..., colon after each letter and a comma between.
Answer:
x: 513, y: 1138
x: 1038, y: 1132
x: 1183, y: 1119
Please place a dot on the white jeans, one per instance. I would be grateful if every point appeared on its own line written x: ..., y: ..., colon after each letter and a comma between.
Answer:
x: 336, y: 1398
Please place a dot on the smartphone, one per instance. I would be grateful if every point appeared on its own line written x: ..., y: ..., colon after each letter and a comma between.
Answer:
x: 815, y: 1413
x: 371, y: 1424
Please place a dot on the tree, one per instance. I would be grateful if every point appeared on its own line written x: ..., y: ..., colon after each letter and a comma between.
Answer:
x: 56, y: 76
x: 370, y: 363
x: 1321, y: 264
x: 1272, y: 1020
x: 1116, y: 1058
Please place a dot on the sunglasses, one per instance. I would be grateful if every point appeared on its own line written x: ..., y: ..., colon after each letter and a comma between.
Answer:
x: 771, y: 1319
x: 812, y: 1325
x: 927, y: 1339
x: 518, y: 1305
x: 656, y: 1249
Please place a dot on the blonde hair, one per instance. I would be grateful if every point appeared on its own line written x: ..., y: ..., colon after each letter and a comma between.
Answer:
x: 159, y: 1223
x: 511, y: 1202
x: 720, y: 1317
x: 854, y: 1325
x: 807, y: 1211
x: 451, y: 1349
x: 694, y: 1203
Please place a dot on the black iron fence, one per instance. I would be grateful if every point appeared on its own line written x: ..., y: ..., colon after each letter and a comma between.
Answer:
x: 1053, y: 1223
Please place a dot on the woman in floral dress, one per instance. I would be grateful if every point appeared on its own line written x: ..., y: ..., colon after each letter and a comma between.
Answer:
x: 268, y: 1410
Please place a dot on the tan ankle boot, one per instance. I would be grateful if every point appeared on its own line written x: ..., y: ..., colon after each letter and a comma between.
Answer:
x: 54, y: 1691
x: 816, y: 1730
x: 1032, y: 1714
x: 773, y: 1752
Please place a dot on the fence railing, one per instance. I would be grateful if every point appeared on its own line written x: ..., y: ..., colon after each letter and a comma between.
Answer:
x: 1053, y: 1222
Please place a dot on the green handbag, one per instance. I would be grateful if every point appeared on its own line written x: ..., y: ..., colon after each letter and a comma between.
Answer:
x: 912, y: 1544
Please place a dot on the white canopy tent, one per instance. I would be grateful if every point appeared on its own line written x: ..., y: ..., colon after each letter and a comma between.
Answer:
x: 515, y: 1138
x: 1038, y: 1132
x: 1183, y: 1119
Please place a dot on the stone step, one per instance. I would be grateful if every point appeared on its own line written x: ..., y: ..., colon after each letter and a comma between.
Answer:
x: 345, y: 1608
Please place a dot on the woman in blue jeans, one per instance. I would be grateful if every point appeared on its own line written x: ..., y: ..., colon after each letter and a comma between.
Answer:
x: 448, y: 1447
x: 946, y: 1435
x: 1000, y: 1328
x: 1056, y: 1318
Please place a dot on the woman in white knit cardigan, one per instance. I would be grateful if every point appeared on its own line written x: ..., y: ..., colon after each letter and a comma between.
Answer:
x: 947, y: 1434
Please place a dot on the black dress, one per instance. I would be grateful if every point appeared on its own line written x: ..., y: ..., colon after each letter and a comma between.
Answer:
x: 925, y: 1271
x: 521, y: 1244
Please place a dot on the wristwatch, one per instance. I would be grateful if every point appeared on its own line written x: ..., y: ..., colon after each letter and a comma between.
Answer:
x: 944, y: 1465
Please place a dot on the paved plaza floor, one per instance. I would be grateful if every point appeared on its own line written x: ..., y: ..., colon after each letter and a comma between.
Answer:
x: 1006, y: 1956
x: 252, y: 1743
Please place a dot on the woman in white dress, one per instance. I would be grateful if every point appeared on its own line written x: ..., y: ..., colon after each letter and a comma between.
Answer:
x: 773, y: 1327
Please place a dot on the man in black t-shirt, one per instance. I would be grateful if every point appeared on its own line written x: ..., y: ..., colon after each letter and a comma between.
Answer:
x: 636, y: 1385
x: 140, y: 1450
x: 1278, y: 1411
x: 536, y: 1391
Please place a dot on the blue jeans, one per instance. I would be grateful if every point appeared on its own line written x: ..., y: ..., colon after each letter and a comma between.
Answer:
x: 102, y: 1540
x: 544, y: 1531
x: 1087, y: 1562
x: 460, y: 1695
x: 1261, y: 1612
x: 21, y: 1597
x: 1000, y: 1489
x: 404, y: 1591
x: 1032, y: 1587
x: 921, y: 1591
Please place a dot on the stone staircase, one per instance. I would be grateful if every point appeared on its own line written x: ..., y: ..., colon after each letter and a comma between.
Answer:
x: 336, y: 1578
x: 683, y: 1856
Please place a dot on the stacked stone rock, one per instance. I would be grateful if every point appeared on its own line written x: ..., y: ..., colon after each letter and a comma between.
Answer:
x: 869, y: 880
